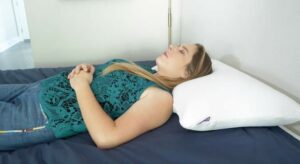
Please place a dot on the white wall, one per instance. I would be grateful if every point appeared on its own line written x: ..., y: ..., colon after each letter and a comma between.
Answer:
x: 8, y: 28
x: 68, y: 32
x: 258, y: 37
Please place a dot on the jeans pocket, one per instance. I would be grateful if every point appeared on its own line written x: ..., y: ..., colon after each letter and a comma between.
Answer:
x: 45, y: 116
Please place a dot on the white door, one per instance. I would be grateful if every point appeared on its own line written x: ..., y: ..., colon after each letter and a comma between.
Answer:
x: 21, y: 20
x: 8, y: 29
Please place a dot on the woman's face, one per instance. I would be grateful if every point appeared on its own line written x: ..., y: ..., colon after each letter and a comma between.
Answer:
x: 173, y: 61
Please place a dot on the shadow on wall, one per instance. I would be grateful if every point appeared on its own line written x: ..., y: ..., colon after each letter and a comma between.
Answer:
x: 233, y: 61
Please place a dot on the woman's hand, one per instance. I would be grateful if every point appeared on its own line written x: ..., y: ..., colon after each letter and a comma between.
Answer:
x: 79, y: 67
x: 82, y: 78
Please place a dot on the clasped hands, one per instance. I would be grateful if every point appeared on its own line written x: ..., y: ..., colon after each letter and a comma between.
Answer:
x: 81, y: 75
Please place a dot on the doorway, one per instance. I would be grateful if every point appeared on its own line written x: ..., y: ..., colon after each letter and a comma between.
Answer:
x: 15, y: 47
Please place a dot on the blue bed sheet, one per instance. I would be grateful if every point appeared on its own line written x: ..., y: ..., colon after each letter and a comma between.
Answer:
x: 169, y: 143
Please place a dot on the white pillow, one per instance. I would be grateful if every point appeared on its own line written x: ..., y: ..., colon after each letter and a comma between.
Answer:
x: 229, y: 98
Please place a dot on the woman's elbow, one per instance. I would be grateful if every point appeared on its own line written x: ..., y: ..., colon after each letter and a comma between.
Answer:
x: 105, y: 145
x: 102, y: 147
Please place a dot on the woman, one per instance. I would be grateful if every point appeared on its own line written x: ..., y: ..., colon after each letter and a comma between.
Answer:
x: 115, y: 102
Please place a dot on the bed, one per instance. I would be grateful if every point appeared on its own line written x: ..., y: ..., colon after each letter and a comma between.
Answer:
x: 169, y: 143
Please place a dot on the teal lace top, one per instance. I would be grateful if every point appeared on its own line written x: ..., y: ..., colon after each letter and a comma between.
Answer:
x: 116, y: 92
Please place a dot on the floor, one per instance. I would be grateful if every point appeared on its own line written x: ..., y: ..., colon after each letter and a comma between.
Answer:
x: 17, y: 57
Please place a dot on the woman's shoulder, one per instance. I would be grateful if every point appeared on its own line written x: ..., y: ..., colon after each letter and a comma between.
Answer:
x: 154, y: 90
x: 160, y: 97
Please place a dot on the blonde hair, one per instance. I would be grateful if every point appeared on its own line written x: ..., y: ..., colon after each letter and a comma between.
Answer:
x: 199, y: 66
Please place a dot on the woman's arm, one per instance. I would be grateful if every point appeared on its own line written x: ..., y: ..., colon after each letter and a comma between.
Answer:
x: 98, y: 123
x: 148, y: 113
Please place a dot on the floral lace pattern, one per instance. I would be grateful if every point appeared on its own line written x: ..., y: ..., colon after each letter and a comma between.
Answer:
x: 116, y: 92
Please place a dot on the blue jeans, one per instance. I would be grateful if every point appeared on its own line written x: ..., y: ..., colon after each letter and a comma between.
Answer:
x: 20, y: 112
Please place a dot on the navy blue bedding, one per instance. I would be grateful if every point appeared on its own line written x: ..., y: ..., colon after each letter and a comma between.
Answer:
x: 169, y: 143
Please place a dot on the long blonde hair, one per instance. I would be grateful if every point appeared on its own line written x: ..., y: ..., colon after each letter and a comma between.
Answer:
x: 200, y: 65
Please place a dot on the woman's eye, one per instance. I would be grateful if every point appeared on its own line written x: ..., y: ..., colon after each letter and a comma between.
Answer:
x: 181, y: 51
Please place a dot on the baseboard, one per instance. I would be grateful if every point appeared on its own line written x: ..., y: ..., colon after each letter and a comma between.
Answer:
x: 9, y: 44
x: 290, y: 132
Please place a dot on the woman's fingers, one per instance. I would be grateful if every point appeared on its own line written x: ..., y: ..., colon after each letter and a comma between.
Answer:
x: 85, y: 68
x: 78, y: 68
x: 82, y: 67
x: 74, y: 70
x: 70, y: 74
x: 92, y: 69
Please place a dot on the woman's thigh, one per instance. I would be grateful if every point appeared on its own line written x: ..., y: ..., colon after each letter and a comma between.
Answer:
x: 21, y: 110
x: 10, y: 91
x: 22, y: 121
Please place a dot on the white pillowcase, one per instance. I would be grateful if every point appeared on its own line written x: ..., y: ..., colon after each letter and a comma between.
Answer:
x: 229, y: 98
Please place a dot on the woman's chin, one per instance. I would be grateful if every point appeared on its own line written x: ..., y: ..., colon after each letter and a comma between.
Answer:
x: 158, y: 60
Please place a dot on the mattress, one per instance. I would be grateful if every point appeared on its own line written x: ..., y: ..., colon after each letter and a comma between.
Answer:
x: 169, y: 143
